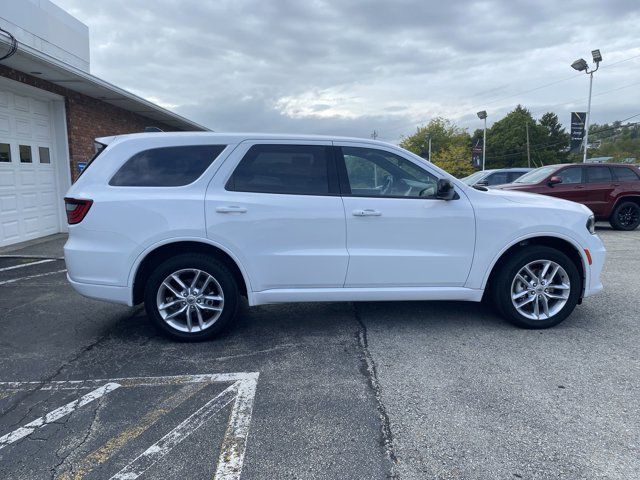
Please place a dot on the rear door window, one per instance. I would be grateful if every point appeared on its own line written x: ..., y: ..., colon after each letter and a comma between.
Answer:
x: 625, y: 174
x: 571, y: 175
x: 167, y: 166
x: 598, y: 175
x: 285, y: 169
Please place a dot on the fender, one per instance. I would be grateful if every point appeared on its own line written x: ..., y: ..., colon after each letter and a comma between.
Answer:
x: 567, y: 238
x: 136, y: 263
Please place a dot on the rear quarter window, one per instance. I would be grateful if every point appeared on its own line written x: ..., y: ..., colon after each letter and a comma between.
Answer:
x: 166, y: 166
x: 625, y: 174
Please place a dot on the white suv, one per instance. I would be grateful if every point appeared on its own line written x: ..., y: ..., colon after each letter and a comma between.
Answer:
x: 189, y: 222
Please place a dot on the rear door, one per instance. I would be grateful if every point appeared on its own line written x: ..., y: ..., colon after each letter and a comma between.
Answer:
x: 276, y: 206
x: 598, y: 194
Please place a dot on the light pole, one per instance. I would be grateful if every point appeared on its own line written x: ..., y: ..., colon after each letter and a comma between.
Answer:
x: 582, y: 66
x: 429, y: 155
x: 483, y: 116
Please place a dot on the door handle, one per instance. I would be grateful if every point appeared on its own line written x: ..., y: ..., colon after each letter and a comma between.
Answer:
x: 366, y: 213
x: 580, y: 187
x: 231, y: 209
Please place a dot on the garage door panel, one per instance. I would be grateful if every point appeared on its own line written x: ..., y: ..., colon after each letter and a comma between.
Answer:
x: 10, y: 231
x: 49, y: 223
x: 4, y: 99
x: 23, y: 128
x: 41, y: 130
x: 31, y: 225
x: 8, y: 204
x: 20, y: 102
x: 40, y: 108
x: 7, y: 178
x: 5, y: 125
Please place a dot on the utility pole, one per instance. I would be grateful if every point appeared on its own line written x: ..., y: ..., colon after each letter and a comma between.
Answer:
x: 483, y: 116
x: 429, y: 148
x: 528, y: 152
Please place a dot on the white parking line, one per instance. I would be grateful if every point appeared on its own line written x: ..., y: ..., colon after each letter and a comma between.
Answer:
x: 56, y: 414
x: 231, y: 458
x: 26, y: 264
x: 32, y: 256
x: 163, y: 446
x: 14, y: 280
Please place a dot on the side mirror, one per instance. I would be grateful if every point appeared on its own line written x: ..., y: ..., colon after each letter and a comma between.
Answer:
x: 555, y: 180
x: 483, y: 183
x: 445, y: 190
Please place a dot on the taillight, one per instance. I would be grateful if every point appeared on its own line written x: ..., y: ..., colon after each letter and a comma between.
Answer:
x: 76, y: 209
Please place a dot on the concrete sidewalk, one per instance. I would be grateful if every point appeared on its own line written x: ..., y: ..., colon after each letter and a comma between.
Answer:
x: 50, y: 246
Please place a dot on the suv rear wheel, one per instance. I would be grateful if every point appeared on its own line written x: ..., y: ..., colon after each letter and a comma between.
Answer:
x: 537, y: 287
x: 626, y: 216
x: 191, y: 297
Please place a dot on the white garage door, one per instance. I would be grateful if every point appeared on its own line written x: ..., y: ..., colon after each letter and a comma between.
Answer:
x: 28, y: 192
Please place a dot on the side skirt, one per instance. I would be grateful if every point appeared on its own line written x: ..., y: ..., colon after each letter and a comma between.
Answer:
x: 293, y: 295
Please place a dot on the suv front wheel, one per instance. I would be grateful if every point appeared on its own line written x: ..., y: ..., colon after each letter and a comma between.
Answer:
x: 537, y: 287
x: 191, y: 297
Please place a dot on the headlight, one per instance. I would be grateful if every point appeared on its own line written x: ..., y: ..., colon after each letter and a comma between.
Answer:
x: 591, y: 225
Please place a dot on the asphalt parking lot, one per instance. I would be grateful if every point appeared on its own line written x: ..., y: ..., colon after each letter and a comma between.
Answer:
x: 410, y: 390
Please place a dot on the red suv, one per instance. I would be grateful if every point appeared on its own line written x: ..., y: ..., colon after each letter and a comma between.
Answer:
x: 611, y: 191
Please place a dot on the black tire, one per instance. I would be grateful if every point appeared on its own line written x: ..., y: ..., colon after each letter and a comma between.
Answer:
x: 502, y: 287
x: 204, y: 263
x: 626, y: 216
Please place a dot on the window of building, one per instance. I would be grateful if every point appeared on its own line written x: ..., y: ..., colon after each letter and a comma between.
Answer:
x: 25, y: 154
x: 5, y: 152
x: 45, y: 157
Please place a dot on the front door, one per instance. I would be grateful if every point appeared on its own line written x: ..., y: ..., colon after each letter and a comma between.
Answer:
x: 398, y: 233
x: 277, y: 207
x: 572, y: 186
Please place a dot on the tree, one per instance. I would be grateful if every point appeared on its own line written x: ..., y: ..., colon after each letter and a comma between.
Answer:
x: 507, y: 140
x: 443, y: 134
x: 455, y: 159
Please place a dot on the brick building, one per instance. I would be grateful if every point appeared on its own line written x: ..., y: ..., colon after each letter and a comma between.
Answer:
x: 51, y: 110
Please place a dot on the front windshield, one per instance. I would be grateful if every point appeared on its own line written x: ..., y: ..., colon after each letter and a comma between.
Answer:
x: 537, y: 175
x: 473, y: 178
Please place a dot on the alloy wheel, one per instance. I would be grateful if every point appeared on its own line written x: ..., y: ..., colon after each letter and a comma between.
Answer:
x: 540, y: 289
x: 190, y: 300
x: 628, y: 215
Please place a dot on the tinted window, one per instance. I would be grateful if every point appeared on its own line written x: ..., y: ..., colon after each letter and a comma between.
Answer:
x: 166, y: 167
x: 44, y: 155
x: 571, y: 175
x: 25, y: 154
x: 598, y: 175
x: 498, y: 178
x: 537, y: 175
x: 5, y: 152
x: 513, y: 176
x: 287, y: 169
x: 377, y: 173
x: 625, y: 174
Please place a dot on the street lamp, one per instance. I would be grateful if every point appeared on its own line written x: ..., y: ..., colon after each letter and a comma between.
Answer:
x: 483, y: 116
x: 581, y: 65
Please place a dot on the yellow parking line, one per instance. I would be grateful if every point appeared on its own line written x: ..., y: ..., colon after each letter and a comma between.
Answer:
x: 114, y: 444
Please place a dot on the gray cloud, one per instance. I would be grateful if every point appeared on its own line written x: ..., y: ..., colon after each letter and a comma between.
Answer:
x: 348, y: 67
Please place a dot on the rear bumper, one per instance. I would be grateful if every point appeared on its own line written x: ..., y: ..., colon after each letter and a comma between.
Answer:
x: 108, y: 293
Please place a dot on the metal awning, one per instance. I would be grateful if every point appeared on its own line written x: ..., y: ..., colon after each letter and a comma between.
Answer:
x: 48, y: 68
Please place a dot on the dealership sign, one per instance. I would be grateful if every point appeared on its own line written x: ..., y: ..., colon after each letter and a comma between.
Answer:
x: 578, y: 120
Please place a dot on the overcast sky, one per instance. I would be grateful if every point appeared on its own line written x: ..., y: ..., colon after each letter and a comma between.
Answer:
x: 348, y: 67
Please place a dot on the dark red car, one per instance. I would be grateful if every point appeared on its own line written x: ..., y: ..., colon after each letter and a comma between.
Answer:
x: 611, y: 191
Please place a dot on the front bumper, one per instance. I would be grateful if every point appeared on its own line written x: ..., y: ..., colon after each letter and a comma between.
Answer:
x: 598, y: 256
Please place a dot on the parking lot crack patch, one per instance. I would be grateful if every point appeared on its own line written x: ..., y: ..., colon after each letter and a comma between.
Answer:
x: 370, y: 371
